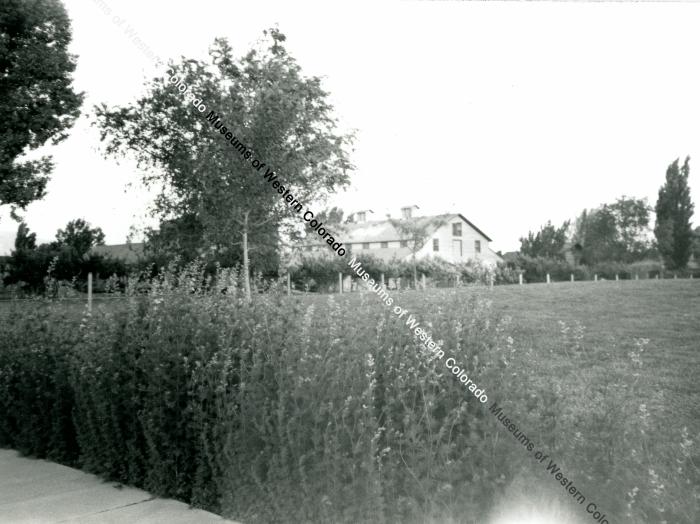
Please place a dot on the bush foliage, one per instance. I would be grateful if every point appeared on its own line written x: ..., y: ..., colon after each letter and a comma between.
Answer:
x: 320, y: 273
x: 535, y: 269
x: 320, y: 409
x: 270, y: 410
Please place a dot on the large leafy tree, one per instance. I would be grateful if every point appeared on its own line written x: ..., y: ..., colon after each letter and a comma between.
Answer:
x: 37, y: 102
x: 79, y: 237
x: 263, y: 99
x: 674, y: 209
x: 596, y: 231
x: 617, y: 232
x: 632, y: 216
x: 548, y: 242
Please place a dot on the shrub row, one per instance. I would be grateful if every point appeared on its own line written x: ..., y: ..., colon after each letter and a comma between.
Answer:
x: 320, y: 273
x: 269, y: 411
x: 535, y: 269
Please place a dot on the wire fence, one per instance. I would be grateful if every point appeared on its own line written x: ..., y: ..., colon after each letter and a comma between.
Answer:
x: 342, y: 286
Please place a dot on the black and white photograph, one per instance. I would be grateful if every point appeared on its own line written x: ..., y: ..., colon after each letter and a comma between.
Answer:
x: 334, y: 262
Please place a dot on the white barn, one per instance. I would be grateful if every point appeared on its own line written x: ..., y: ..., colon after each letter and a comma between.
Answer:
x: 450, y: 237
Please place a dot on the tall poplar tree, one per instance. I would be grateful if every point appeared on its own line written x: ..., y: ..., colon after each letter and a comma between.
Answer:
x: 674, y: 209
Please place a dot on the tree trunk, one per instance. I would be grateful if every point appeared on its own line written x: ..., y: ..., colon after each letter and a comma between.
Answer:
x: 415, y: 272
x: 246, y: 260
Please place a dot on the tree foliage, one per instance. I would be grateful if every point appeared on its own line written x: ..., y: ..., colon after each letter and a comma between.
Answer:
x: 69, y: 257
x: 264, y: 100
x: 549, y: 241
x: 674, y: 209
x: 37, y: 101
x: 80, y: 237
x: 616, y: 232
x: 632, y: 216
x: 333, y: 215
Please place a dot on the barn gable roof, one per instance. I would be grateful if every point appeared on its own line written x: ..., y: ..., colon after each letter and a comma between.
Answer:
x: 384, y: 230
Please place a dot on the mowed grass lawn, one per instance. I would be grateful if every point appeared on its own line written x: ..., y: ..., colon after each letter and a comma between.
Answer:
x: 667, y: 312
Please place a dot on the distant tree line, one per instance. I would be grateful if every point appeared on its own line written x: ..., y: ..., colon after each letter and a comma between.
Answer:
x: 619, y: 233
x: 69, y: 258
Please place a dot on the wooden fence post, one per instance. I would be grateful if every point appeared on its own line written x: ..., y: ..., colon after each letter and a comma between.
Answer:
x: 595, y: 277
x: 657, y: 276
x: 617, y: 277
x: 491, y: 279
x: 90, y: 292
x: 457, y: 281
x: 675, y: 276
x: 520, y: 279
x: 572, y: 277
x: 548, y: 280
x: 382, y: 280
x: 289, y: 283
x: 340, y: 282
x: 636, y: 276
x: 422, y: 277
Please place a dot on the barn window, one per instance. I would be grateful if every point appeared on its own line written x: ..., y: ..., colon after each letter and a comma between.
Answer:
x: 457, y: 229
x: 365, y: 245
x: 404, y: 243
x: 436, y: 244
x: 385, y: 244
x: 477, y: 246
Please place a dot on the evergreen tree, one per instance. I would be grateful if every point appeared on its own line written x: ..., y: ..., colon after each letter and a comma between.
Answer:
x: 674, y: 209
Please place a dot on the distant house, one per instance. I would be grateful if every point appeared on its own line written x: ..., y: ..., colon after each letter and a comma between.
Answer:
x: 127, y: 252
x: 455, y: 239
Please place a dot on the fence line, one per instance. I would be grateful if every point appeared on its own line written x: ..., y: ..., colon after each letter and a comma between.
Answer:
x: 90, y: 297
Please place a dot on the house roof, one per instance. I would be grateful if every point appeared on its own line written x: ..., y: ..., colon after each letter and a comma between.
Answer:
x: 384, y: 230
x: 126, y: 252
x: 387, y: 254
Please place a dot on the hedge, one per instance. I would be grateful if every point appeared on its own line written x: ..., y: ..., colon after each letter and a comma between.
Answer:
x: 277, y: 410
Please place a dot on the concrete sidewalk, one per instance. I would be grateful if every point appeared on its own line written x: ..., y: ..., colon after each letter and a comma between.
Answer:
x: 41, y: 492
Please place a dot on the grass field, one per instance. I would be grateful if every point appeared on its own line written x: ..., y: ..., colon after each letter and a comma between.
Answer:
x: 614, y: 315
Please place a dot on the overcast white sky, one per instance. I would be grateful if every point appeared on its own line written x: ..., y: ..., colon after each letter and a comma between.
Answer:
x: 510, y: 113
